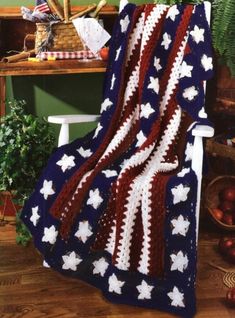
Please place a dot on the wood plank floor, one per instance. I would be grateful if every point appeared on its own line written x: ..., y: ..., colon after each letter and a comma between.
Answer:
x: 27, y: 290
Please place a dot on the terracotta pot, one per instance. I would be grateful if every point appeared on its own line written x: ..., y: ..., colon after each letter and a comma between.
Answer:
x: 8, y: 208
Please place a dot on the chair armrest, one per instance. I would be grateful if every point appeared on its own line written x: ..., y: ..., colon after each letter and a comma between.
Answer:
x: 65, y: 120
x: 72, y: 119
x: 203, y: 131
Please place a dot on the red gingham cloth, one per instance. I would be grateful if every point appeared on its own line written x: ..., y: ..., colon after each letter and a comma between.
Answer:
x: 85, y: 54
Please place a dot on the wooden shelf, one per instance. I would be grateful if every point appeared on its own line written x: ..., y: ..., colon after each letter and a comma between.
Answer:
x: 52, y: 67
x: 13, y: 30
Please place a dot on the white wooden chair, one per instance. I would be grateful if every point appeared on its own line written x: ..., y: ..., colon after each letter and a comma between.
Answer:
x: 199, y: 131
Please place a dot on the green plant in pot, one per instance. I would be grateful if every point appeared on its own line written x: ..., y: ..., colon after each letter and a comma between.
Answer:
x: 26, y: 143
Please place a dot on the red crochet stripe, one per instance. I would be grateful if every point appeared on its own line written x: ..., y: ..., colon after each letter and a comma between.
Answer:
x: 123, y: 188
x: 106, y: 222
x: 131, y: 173
x: 157, y: 243
x: 69, y: 188
x: 75, y: 204
x: 136, y: 242
x: 75, y: 207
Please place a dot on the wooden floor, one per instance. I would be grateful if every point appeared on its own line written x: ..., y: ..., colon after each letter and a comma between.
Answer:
x: 29, y: 290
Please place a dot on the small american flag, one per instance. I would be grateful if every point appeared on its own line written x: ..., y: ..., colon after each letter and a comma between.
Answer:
x: 42, y: 6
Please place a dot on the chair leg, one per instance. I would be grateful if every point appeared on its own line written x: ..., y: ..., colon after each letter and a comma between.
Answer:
x: 197, y: 162
x: 64, y: 135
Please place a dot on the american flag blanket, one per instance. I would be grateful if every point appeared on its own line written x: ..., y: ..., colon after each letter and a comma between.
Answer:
x: 117, y: 207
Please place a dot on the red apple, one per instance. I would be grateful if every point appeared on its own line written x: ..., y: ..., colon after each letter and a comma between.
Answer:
x: 228, y: 194
x: 218, y: 214
x: 231, y: 254
x: 104, y: 53
x: 227, y: 219
x: 227, y: 206
x: 230, y: 296
x: 225, y: 244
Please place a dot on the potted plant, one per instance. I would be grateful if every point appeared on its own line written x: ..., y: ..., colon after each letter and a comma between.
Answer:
x: 223, y: 31
x: 26, y: 142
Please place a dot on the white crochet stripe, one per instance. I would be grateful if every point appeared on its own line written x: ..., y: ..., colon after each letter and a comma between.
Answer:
x: 121, y: 133
x: 135, y: 37
x: 137, y: 159
x: 134, y: 198
x: 151, y: 22
x: 166, y: 140
x: 141, y: 156
x: 174, y: 76
x: 83, y: 180
x: 111, y: 240
x: 155, y: 165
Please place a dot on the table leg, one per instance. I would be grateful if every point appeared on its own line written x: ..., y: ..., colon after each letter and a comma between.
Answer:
x: 2, y: 96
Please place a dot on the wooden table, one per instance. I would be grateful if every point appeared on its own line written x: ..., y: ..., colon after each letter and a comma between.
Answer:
x: 45, y: 68
x: 12, y: 32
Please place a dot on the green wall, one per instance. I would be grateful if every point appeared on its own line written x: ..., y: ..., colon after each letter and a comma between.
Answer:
x: 61, y: 94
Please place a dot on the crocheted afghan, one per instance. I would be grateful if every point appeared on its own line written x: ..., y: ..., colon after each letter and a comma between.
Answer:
x: 117, y: 207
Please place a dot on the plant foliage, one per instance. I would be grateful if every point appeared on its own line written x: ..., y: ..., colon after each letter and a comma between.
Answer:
x: 223, y: 31
x: 25, y: 145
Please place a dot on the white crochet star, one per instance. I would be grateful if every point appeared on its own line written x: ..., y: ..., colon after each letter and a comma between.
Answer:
x: 146, y: 110
x: 66, y: 162
x: 186, y: 70
x: 45, y: 264
x: 109, y: 173
x: 197, y: 34
x: 189, y: 151
x: 94, y: 198
x: 202, y: 113
x: 84, y: 231
x: 98, y: 129
x: 172, y: 13
x: 100, y: 266
x: 183, y: 172
x: 166, y: 41
x: 115, y: 285
x: 85, y: 153
x: 177, y: 297
x: 154, y: 84
x: 206, y: 62
x: 71, y: 261
x: 118, y: 53
x: 179, y: 262
x: 113, y: 81
x: 180, y: 226
x: 50, y: 235
x: 35, y: 216
x: 141, y: 139
x: 105, y: 105
x: 180, y: 193
x: 157, y: 64
x: 47, y: 189
x: 124, y: 23
x: 190, y: 93
x: 144, y: 290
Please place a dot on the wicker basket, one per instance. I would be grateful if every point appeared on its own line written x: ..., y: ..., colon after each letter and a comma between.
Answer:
x: 65, y: 37
x: 220, y: 152
x: 212, y: 197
